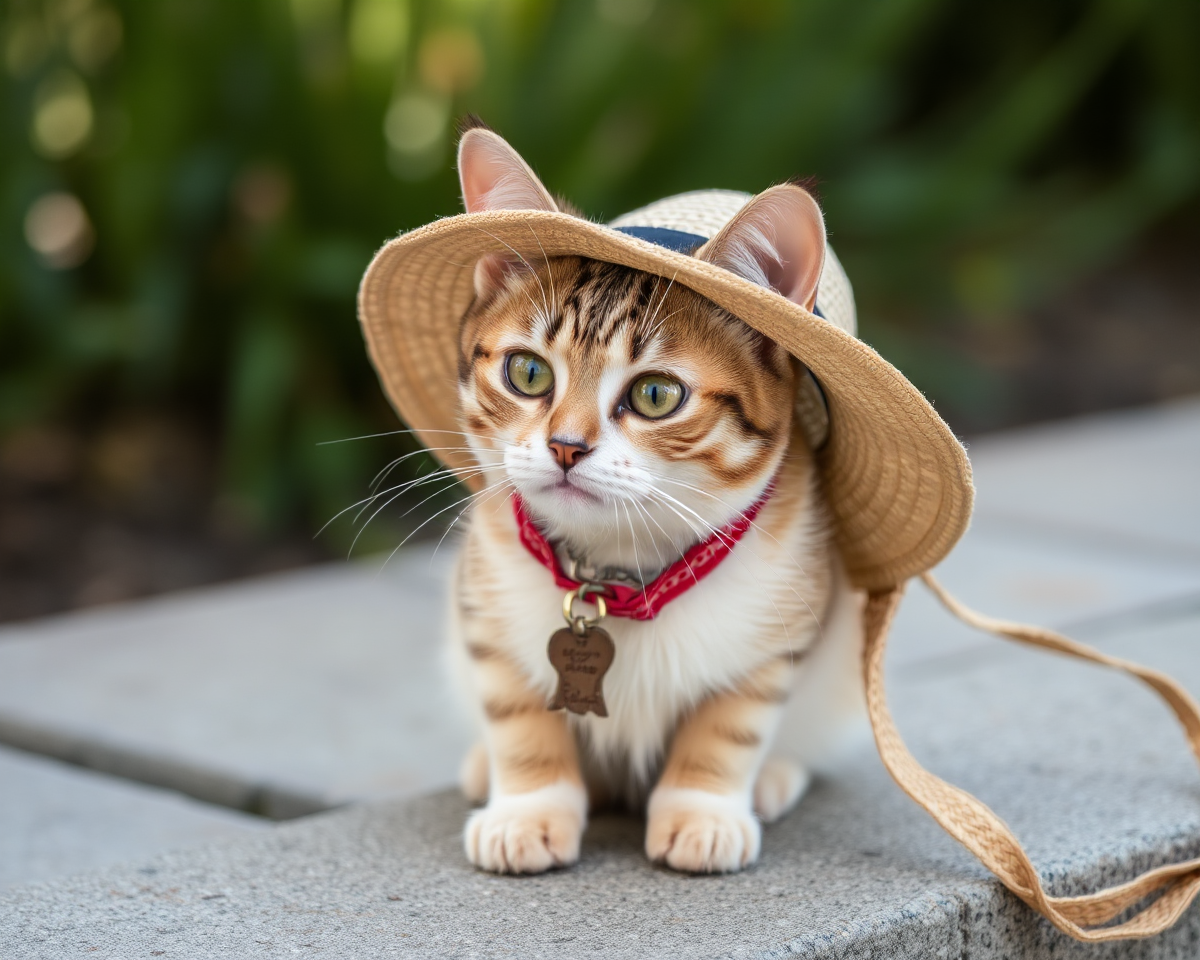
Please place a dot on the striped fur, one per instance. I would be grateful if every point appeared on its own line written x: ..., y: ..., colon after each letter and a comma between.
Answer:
x: 764, y: 651
x: 695, y: 696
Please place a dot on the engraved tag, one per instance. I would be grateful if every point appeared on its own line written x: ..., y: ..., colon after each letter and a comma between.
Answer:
x: 581, y: 662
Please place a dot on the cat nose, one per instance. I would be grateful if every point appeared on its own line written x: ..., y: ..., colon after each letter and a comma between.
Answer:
x: 567, y: 452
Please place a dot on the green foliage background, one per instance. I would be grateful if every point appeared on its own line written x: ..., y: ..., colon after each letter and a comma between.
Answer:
x: 243, y: 158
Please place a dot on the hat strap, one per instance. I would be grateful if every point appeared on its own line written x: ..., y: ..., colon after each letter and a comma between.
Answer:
x: 974, y: 825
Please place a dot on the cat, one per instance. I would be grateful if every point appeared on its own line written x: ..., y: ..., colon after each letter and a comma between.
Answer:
x: 634, y: 418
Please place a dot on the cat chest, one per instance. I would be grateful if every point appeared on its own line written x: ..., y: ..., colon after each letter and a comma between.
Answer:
x: 702, y: 641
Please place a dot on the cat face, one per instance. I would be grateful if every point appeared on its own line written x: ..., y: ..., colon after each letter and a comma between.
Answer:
x: 633, y: 416
x: 614, y: 400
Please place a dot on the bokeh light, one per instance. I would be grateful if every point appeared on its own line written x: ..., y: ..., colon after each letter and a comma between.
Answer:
x: 62, y: 115
x: 59, y: 231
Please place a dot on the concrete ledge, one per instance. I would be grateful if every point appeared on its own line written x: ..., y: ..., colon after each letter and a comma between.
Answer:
x: 1087, y: 768
x: 390, y: 880
x: 159, y: 769
x: 56, y: 820
x: 281, y: 696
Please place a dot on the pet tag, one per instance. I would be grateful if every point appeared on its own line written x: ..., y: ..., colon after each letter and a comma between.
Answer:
x: 581, y: 654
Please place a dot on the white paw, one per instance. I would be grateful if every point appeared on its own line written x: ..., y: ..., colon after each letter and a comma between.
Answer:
x: 474, y: 774
x: 528, y: 832
x: 701, y: 832
x: 780, y: 785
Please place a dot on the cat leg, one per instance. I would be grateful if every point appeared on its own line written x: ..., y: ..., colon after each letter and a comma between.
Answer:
x: 701, y: 816
x: 780, y: 785
x: 537, y: 804
x: 473, y: 774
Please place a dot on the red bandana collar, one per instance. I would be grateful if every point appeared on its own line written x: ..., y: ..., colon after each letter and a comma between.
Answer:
x: 645, y: 602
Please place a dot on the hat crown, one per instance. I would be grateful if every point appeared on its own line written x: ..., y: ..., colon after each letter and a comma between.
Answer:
x: 705, y: 212
x: 702, y: 212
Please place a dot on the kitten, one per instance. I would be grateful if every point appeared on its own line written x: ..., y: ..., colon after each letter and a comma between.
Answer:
x: 634, y: 418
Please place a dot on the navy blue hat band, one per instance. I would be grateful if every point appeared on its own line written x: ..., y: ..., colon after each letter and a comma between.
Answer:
x: 676, y: 240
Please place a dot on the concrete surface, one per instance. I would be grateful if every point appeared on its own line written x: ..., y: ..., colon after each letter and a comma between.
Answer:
x: 282, y: 696
x: 306, y: 690
x: 1126, y: 479
x: 56, y: 820
x: 1088, y: 770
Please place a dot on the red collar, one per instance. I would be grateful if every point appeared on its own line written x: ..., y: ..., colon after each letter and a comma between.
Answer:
x: 679, y: 577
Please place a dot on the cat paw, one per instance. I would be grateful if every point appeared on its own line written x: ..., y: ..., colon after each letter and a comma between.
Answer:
x: 700, y: 832
x: 474, y: 774
x: 528, y: 832
x: 779, y: 787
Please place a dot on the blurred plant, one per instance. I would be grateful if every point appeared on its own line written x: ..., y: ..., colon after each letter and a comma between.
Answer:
x: 190, y: 189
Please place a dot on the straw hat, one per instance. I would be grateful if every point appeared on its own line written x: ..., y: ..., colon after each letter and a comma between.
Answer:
x: 897, y: 480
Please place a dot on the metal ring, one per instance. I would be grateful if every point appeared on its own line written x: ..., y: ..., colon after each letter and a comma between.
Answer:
x: 580, y: 623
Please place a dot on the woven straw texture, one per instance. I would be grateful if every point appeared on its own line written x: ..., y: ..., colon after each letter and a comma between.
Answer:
x: 897, y: 480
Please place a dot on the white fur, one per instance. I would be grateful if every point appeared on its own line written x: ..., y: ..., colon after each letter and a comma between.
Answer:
x: 702, y: 641
x: 528, y: 832
x: 705, y: 640
x: 779, y: 787
x: 701, y: 832
x: 827, y: 712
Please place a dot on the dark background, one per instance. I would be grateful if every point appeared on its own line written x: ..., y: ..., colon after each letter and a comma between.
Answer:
x: 190, y: 190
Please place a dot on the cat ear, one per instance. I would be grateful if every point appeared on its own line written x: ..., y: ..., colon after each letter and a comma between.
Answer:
x: 494, y: 177
x: 777, y: 240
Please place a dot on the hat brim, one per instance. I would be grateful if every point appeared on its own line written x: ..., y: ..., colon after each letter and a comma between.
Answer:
x: 897, y: 480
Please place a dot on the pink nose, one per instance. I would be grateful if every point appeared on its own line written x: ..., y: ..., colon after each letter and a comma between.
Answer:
x: 567, y: 453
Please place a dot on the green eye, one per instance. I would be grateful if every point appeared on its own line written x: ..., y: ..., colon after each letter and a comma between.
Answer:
x: 529, y: 374
x: 655, y: 396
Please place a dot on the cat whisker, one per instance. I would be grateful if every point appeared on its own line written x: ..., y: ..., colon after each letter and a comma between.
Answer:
x: 402, y: 488
x: 658, y: 325
x: 648, y: 319
x: 753, y: 523
x: 647, y: 519
x: 650, y: 323
x: 435, y: 494
x: 499, y: 483
x: 766, y: 592
x: 383, y: 474
x: 549, y: 272
x: 755, y: 526
x: 374, y: 496
x: 432, y: 496
x: 521, y: 257
x: 617, y: 526
x: 696, y: 580
x: 394, y: 433
x: 459, y: 516
x: 636, y: 561
x: 467, y: 476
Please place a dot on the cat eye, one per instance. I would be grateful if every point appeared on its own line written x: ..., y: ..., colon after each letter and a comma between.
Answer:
x: 655, y: 396
x: 529, y: 374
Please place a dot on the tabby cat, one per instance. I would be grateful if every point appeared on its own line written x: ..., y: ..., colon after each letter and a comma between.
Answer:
x: 633, y: 418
